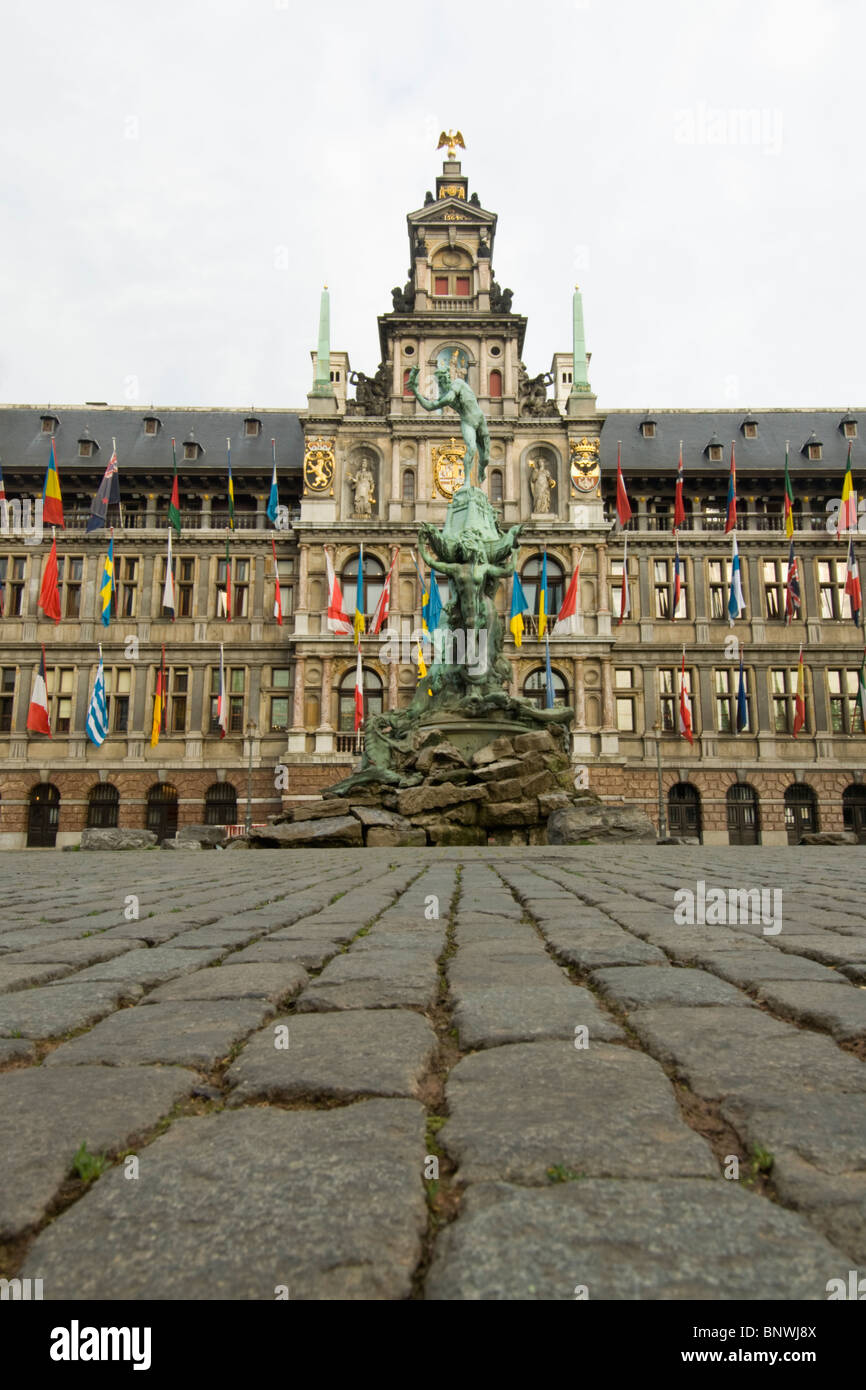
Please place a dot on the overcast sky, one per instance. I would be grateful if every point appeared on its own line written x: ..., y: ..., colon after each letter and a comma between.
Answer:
x: 180, y: 177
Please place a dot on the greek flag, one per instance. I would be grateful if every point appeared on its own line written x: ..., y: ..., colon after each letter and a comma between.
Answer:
x: 97, y: 716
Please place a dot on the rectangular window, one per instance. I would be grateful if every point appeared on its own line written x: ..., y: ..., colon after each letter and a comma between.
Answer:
x: 235, y: 679
x: 12, y: 591
x: 185, y: 586
x: 279, y: 712
x: 7, y: 698
x: 669, y: 698
x: 616, y: 589
x: 241, y: 578
x: 663, y: 583
x: 440, y: 284
x: 178, y: 687
x: 832, y: 575
x: 727, y: 686
x: 70, y: 572
x: 844, y: 713
x: 719, y: 577
x: 281, y: 677
x: 775, y: 574
x: 60, y: 684
x: 783, y: 685
x: 286, y: 572
x: 126, y: 579
x: 118, y: 686
x: 461, y: 286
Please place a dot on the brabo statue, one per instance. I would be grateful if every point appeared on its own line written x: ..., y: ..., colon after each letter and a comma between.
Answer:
x: 473, y: 426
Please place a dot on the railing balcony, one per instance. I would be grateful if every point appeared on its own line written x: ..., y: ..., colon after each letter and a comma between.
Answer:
x: 189, y: 521
x: 714, y: 522
x: 350, y: 743
x: 449, y: 303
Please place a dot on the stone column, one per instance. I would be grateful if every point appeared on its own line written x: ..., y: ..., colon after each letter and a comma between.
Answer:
x: 392, y: 685
x: 325, y: 731
x: 579, y: 694
x: 298, y: 733
x: 608, y: 720
x: 302, y: 616
x: 601, y: 578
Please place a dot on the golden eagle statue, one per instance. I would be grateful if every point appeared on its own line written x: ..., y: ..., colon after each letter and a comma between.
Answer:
x: 452, y: 139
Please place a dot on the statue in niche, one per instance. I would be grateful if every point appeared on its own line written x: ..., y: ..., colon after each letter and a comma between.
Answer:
x: 363, y: 484
x: 541, y: 484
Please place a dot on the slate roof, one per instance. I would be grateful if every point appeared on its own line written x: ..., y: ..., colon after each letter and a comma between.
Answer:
x: 695, y: 428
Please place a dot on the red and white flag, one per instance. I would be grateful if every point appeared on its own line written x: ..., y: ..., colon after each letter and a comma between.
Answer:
x: 623, y: 509
x: 37, y: 715
x: 383, y: 607
x: 278, y: 598
x: 852, y: 584
x: 359, y: 693
x: 679, y: 504
x: 685, y: 705
x: 624, y: 598
x: 337, y: 620
x: 568, y: 617
x: 49, y: 593
x: 222, y: 702
x: 800, y: 697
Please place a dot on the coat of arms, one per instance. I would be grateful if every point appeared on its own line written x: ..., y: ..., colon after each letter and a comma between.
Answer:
x: 319, y: 465
x: 585, y: 467
x: 448, y: 472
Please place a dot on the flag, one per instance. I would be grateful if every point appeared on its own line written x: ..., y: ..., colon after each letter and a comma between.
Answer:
x: 792, y: 587
x: 168, y: 587
x: 422, y: 665
x: 432, y: 601
x: 108, y: 491
x: 848, y: 510
x: 37, y: 715
x: 548, y: 681
x: 789, y: 498
x: 542, y: 597
x: 52, y: 502
x: 231, y: 488
x: 360, y: 621
x: 625, y: 597
x: 623, y: 510
x: 224, y: 596
x: 852, y: 584
x: 800, y: 697
x: 861, y: 692
x: 106, y: 585
x: 568, y: 617
x: 383, y: 607
x: 338, y: 620
x: 49, y: 593
x: 679, y: 504
x: 2, y: 486
x: 274, y: 499
x: 736, y: 597
x: 174, y: 500
x: 278, y: 598
x: 742, y: 703
x: 96, y: 726
x: 222, y: 702
x: 731, y: 522
x: 158, y: 706
x: 359, y: 693
x: 678, y: 581
x: 685, y: 705
x: 519, y: 606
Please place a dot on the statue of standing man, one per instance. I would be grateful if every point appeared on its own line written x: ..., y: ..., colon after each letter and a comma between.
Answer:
x: 473, y: 426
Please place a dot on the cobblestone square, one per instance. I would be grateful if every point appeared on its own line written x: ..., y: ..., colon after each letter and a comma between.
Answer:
x: 433, y: 1074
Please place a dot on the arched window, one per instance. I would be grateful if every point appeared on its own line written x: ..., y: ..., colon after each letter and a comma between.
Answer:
x: 161, y: 815
x: 220, y: 804
x: 531, y: 579
x: 684, y: 811
x: 744, y: 825
x: 374, y: 579
x: 801, y: 811
x: 372, y: 698
x: 495, y: 385
x: 408, y: 485
x: 496, y: 487
x: 43, y: 815
x: 535, y: 688
x: 103, y: 801
x: 854, y: 810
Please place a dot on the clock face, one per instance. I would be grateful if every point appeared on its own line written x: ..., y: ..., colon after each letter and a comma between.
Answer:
x: 455, y: 361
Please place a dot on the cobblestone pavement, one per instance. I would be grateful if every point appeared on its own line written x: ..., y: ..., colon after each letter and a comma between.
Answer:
x: 444, y: 1074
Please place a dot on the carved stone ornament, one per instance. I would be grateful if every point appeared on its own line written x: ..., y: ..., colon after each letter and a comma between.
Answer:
x: 319, y: 465
x: 448, y: 472
x: 585, y: 467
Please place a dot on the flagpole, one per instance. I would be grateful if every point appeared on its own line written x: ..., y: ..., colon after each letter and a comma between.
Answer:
x: 119, y: 502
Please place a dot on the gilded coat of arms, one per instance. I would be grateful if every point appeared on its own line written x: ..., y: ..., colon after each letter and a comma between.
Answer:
x: 448, y: 472
x: 585, y: 467
x: 319, y: 465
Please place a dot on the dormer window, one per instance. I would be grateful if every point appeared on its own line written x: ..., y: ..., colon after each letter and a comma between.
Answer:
x: 749, y: 428
x: 49, y: 424
x: 849, y: 427
x: 253, y: 427
x: 151, y: 424
x: 85, y: 448
x: 816, y: 451
x: 714, y: 451
x: 813, y: 448
x: 191, y: 450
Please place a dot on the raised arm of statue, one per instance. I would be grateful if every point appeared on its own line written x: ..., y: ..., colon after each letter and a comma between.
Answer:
x: 446, y: 398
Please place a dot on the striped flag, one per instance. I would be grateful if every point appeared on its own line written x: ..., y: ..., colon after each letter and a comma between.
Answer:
x: 96, y: 726
x: 107, y: 492
x: 49, y: 592
x: 224, y: 596
x: 848, y: 510
x: 623, y: 508
x: 231, y: 486
x: 278, y: 598
x: 106, y: 585
x: 800, y: 697
x: 168, y: 587
x: 679, y: 504
x: 383, y: 607
x: 2, y: 486
x: 736, y: 597
x: 52, y: 502
x: 568, y: 617
x: 624, y: 597
x: 222, y: 702
x: 274, y: 499
x: 789, y: 497
x: 338, y: 620
x: 359, y: 693
x: 174, y: 500
x: 37, y: 715
x: 519, y: 606
x: 731, y: 520
x: 792, y: 587
x: 542, y: 597
x: 685, y: 705
x: 852, y: 584
x: 159, y: 701
x: 360, y: 620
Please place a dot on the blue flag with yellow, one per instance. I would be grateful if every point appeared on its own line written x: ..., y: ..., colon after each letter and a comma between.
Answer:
x: 542, y: 598
x: 519, y: 606
x: 107, y: 584
x: 360, y: 623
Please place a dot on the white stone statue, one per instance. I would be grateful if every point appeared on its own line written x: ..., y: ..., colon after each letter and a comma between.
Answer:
x: 541, y: 484
x: 362, y: 484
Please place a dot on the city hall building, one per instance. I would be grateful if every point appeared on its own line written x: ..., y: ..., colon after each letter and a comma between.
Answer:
x: 361, y: 464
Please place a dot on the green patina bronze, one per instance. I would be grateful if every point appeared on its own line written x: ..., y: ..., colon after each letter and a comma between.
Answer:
x: 473, y: 426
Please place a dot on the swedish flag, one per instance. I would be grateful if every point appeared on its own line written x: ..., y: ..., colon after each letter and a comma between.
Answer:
x: 107, y: 584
